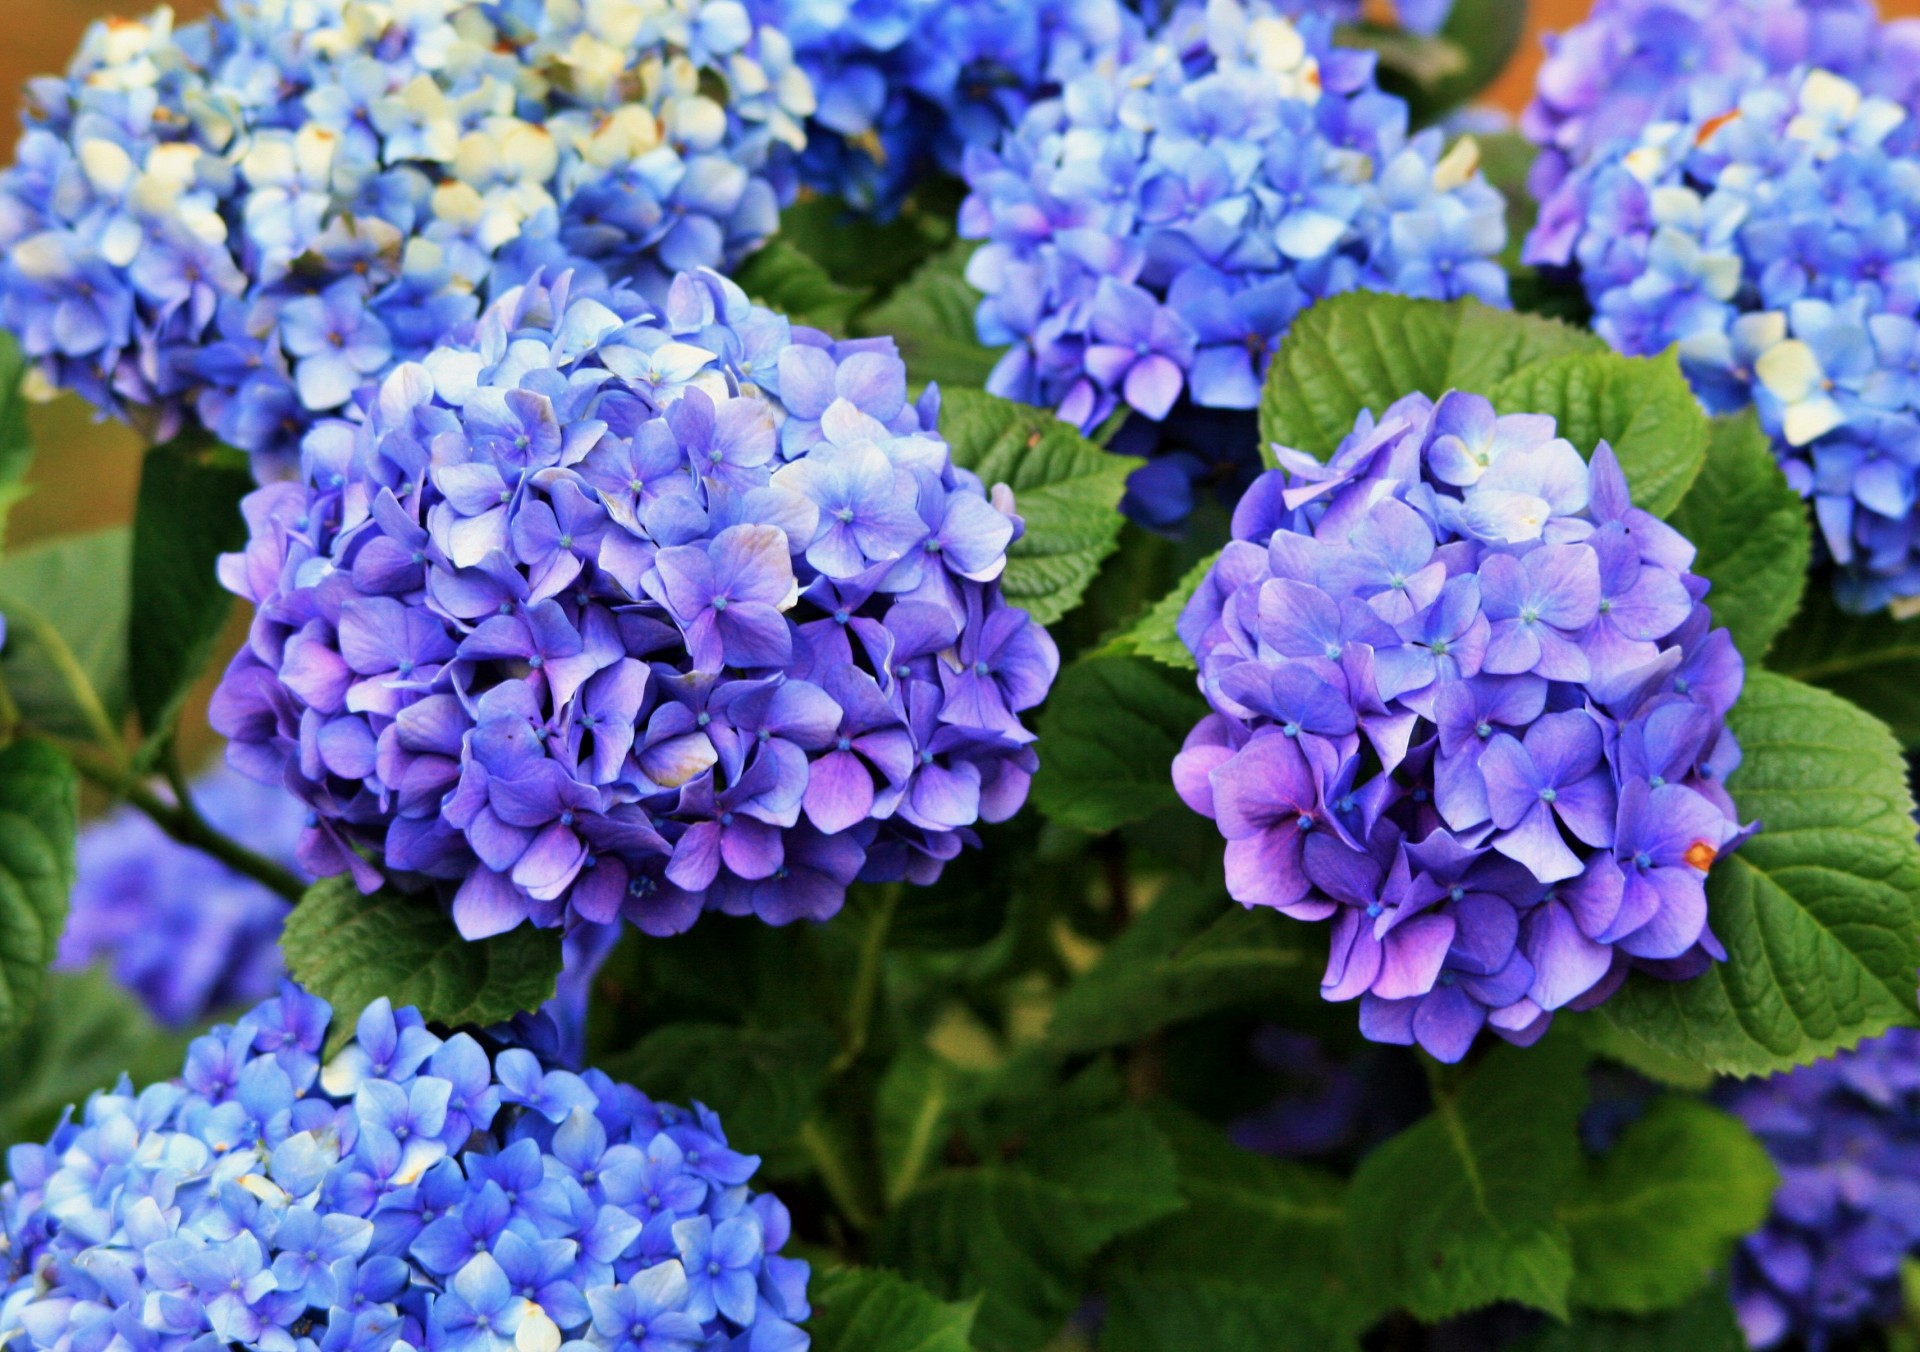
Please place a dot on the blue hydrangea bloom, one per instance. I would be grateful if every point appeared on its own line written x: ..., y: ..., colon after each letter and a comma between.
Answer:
x: 248, y: 220
x: 1152, y: 231
x: 182, y: 931
x: 413, y: 1192
x: 1845, y: 1135
x: 1634, y: 62
x: 605, y: 612
x: 902, y: 87
x: 1469, y: 707
x: 1769, y: 239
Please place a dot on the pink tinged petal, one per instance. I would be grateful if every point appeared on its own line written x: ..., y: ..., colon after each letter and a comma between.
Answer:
x: 947, y: 796
x: 1447, y: 1022
x: 551, y: 863
x: 1566, y: 963
x: 1513, y: 647
x: 1268, y: 781
x: 677, y: 760
x: 1594, y: 897
x: 1639, y: 902
x: 315, y: 672
x: 1588, y: 808
x: 1677, y: 924
x: 1353, y: 956
x: 1460, y: 792
x: 754, y: 635
x: 1414, y: 954
x: 1507, y: 771
x: 487, y: 904
x: 1264, y: 869
x: 1560, y: 658
x: 1566, y: 579
x: 839, y: 792
x: 1535, y: 841
x: 696, y: 858
x: 1153, y: 384
x: 347, y: 748
x: 751, y: 849
x: 754, y: 564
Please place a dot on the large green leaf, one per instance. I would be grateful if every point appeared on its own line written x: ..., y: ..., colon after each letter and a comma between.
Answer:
x: 1365, y: 349
x: 1457, y: 1211
x: 1752, y: 532
x: 765, y: 1084
x: 188, y: 515
x: 783, y: 278
x: 912, y: 1116
x: 39, y: 814
x: 1872, y: 660
x: 16, y: 441
x: 1819, y: 912
x: 1067, y: 489
x: 857, y: 250
x: 350, y: 948
x: 1111, y: 730
x: 86, y: 1033
x: 1704, y: 1324
x: 1154, y: 634
x: 1641, y: 406
x: 930, y: 315
x: 1020, y: 1233
x: 1191, y: 952
x: 872, y: 1310
x: 1254, y: 1263
x: 1654, y: 1220
x: 79, y: 585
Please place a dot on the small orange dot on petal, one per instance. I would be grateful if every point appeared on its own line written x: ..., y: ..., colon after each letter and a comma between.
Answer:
x: 1701, y: 855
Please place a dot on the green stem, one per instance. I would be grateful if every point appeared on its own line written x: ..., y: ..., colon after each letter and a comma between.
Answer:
x: 78, y: 684
x: 836, y: 1175
x: 866, y: 980
x: 186, y: 826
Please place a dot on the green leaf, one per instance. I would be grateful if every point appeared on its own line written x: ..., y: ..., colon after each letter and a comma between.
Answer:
x: 16, y: 441
x: 1365, y: 349
x: 85, y: 1034
x: 1489, y: 32
x: 783, y: 278
x: 858, y: 251
x: 1872, y: 660
x: 1752, y: 532
x: 872, y: 1310
x: 1819, y: 912
x: 1641, y: 406
x: 912, y: 1118
x: 930, y: 315
x: 764, y: 1083
x: 350, y: 949
x: 1154, y: 634
x: 79, y: 585
x: 1254, y: 1263
x: 1020, y: 1234
x: 1656, y: 1218
x: 1703, y: 1325
x: 1111, y: 730
x: 1605, y: 1039
x: 187, y: 516
x: 1193, y: 951
x: 1457, y: 1211
x: 1067, y: 489
x: 39, y: 815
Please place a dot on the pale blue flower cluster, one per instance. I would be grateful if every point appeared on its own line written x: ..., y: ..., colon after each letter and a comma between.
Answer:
x: 1770, y: 238
x: 1469, y: 707
x: 904, y: 86
x: 412, y: 1192
x: 182, y: 931
x: 248, y: 221
x: 607, y: 613
x: 1152, y: 231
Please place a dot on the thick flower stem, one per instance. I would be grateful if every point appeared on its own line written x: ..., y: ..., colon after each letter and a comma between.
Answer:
x: 186, y: 825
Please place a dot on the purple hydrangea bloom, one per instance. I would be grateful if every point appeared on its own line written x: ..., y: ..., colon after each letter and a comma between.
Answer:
x: 1767, y: 236
x: 246, y: 221
x: 182, y: 931
x: 604, y: 612
x: 1469, y: 707
x: 1152, y: 230
x: 1845, y: 1135
x: 903, y: 87
x: 447, y: 1195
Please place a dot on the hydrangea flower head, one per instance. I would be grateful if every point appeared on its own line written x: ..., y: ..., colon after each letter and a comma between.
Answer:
x: 413, y: 1192
x: 1767, y: 238
x: 1152, y: 231
x: 608, y: 612
x: 1468, y: 707
x: 1845, y: 1135
x: 182, y: 931
x: 903, y: 87
x: 246, y: 221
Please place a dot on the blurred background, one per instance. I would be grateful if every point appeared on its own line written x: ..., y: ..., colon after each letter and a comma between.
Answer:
x: 87, y: 472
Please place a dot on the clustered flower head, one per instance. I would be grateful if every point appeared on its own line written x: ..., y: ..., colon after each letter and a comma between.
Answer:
x: 1770, y: 239
x: 1634, y: 62
x: 1153, y: 230
x: 246, y: 221
x: 185, y: 933
x: 1845, y: 1135
x: 903, y: 87
x: 604, y: 612
x: 411, y: 1193
x: 1468, y: 707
